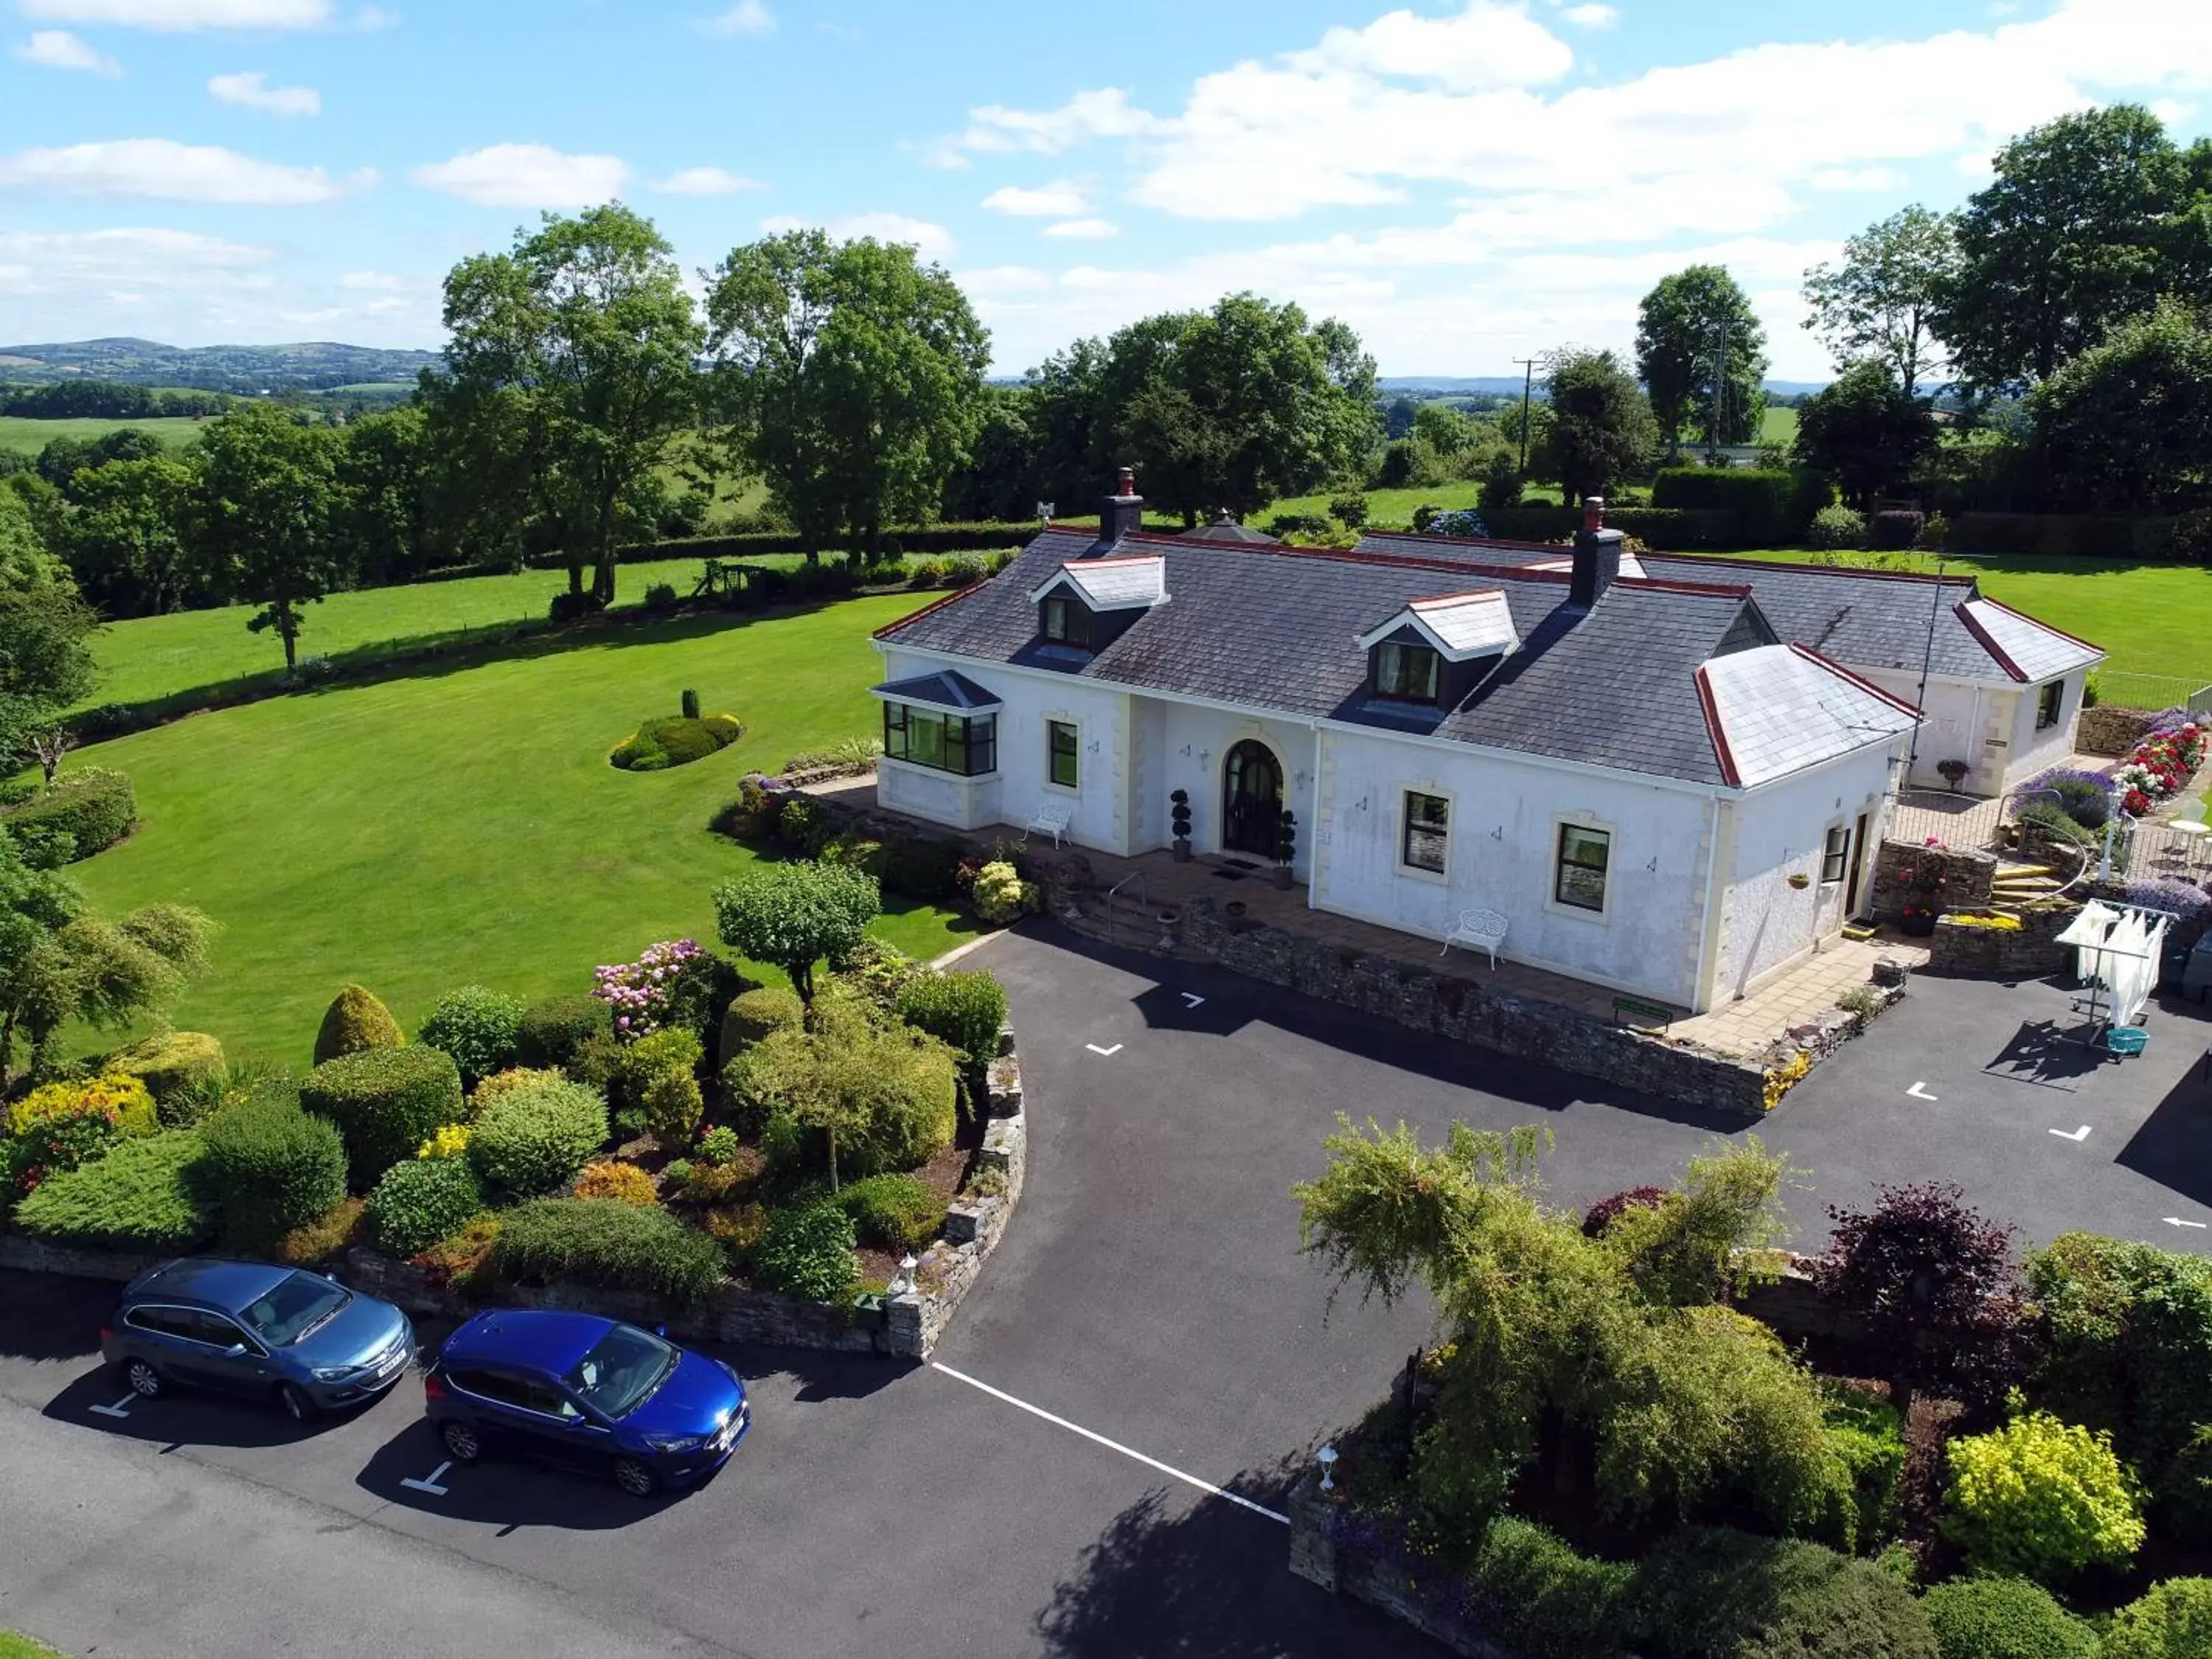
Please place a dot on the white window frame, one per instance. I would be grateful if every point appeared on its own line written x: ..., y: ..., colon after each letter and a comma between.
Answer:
x: 1076, y: 726
x: 1437, y: 792
x: 1554, y: 851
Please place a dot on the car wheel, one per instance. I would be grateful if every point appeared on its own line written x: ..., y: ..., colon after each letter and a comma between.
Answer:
x: 294, y: 1400
x: 145, y: 1382
x: 635, y: 1478
x: 461, y: 1440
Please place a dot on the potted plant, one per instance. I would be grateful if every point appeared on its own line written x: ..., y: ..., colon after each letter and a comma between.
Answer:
x: 1954, y: 773
x: 1926, y: 878
x: 1286, y: 846
x: 1799, y: 880
x: 1179, y: 811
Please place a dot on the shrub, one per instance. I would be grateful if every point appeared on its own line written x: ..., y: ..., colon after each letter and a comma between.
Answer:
x: 1000, y: 894
x: 592, y: 1241
x: 676, y: 1175
x: 794, y: 914
x: 533, y: 1139
x: 507, y: 1082
x: 2003, y: 1619
x: 964, y: 1010
x: 2172, y: 1621
x: 886, y: 1093
x: 269, y: 1168
x: 93, y: 806
x: 964, y: 570
x: 478, y: 1027
x: 1772, y: 504
x: 552, y: 1031
x: 687, y: 704
x: 1602, y: 1213
x: 322, y: 1237
x: 1349, y: 510
x: 661, y: 596
x: 880, y: 972
x: 893, y: 1212
x: 668, y: 984
x: 635, y: 1067
x: 671, y: 1106
x: 755, y: 1014
x: 2183, y: 1491
x: 1836, y: 527
x: 624, y: 1183
x: 64, y: 1125
x: 1541, y: 1600
x: 719, y: 1145
x: 574, y: 605
x: 803, y: 826
x: 658, y: 745
x: 927, y: 572
x: 1862, y: 1001
x: 386, y: 1102
x: 1867, y: 1435
x: 738, y: 1230
x: 170, y: 1063
x: 2042, y: 1499
x: 417, y: 1204
x: 809, y: 1253
x: 144, y: 1195
x: 1893, y: 530
x: 2084, y: 797
x: 713, y: 1184
x: 1711, y: 1593
x: 354, y: 1021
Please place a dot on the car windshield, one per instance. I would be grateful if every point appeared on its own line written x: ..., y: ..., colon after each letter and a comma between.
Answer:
x: 295, y: 1307
x: 621, y: 1371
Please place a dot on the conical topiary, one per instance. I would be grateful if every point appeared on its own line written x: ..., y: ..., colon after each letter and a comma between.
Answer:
x: 354, y: 1021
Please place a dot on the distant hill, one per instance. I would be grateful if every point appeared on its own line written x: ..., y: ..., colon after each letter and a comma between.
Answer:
x: 1454, y: 385
x: 310, y: 366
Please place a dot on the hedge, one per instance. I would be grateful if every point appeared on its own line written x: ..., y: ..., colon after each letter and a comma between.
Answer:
x: 93, y: 805
x: 423, y: 1200
x: 970, y: 536
x: 2004, y: 1619
x: 553, y: 1030
x: 1771, y: 505
x: 386, y: 1103
x: 2082, y: 535
x: 1663, y: 530
x: 1718, y: 1593
x: 271, y: 1167
x: 2171, y: 1621
x: 144, y: 1195
x: 964, y: 1010
x: 893, y: 1212
x: 1539, y: 1599
x: 535, y: 1139
x: 604, y: 1242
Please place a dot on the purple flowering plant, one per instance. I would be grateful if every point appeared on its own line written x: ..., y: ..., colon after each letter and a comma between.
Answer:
x: 645, y: 992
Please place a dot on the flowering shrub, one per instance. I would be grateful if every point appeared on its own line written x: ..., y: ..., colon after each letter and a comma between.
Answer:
x: 1993, y: 923
x: 2161, y: 765
x: 64, y: 1125
x: 2042, y: 1499
x: 644, y: 993
x: 451, y: 1141
x: 1001, y: 895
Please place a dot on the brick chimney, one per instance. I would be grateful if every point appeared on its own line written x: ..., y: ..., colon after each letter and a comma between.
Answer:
x: 1597, y: 556
x: 1122, y: 512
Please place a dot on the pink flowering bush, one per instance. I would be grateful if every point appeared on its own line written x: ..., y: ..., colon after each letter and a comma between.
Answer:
x: 645, y: 994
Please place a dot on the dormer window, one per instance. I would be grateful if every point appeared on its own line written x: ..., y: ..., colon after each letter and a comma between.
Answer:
x: 1407, y: 673
x: 1064, y: 620
x: 1088, y: 604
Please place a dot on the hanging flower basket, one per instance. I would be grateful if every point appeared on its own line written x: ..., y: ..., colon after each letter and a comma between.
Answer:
x: 1799, y: 880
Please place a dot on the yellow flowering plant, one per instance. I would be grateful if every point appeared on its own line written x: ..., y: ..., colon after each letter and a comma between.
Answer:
x: 451, y: 1141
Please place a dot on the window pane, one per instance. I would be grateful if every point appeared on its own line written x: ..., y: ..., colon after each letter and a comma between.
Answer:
x: 1061, y: 739
x: 1835, y: 854
x: 984, y: 745
x: 1406, y: 670
x: 1582, y: 857
x: 1427, y: 831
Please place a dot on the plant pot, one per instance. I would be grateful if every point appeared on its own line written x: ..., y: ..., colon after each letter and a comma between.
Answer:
x: 1181, y: 849
x: 1234, y: 910
x: 1918, y: 927
x: 1283, y: 877
x: 1801, y: 882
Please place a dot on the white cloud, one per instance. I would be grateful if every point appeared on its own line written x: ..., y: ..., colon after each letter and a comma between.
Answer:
x: 526, y: 176
x: 932, y: 241
x: 163, y: 168
x: 1084, y: 230
x: 1485, y: 46
x: 59, y: 49
x: 1060, y: 197
x: 249, y: 89
x: 1592, y: 17
x: 995, y: 129
x: 372, y: 280
x: 747, y: 17
x: 183, y: 15
x: 1854, y: 178
x: 705, y: 181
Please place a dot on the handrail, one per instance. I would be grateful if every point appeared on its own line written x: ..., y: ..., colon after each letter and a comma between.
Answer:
x: 1113, y: 892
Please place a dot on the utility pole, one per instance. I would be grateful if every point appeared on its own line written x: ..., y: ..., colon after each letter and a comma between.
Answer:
x: 1527, y: 384
x: 1720, y: 396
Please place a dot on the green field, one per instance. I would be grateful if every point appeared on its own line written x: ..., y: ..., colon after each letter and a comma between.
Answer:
x: 1780, y: 427
x: 460, y: 824
x: 27, y: 436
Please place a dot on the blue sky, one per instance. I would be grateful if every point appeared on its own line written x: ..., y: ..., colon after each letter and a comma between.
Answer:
x: 1466, y: 181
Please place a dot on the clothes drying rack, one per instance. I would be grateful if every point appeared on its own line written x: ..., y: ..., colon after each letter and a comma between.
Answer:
x: 2093, y: 997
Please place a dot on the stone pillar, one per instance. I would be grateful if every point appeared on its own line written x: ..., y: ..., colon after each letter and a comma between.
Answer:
x: 1313, y: 1539
x: 902, y: 1333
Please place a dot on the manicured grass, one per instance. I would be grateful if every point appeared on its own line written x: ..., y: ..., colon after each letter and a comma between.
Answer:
x: 1780, y: 426
x: 14, y: 1644
x: 28, y: 436
x: 461, y: 823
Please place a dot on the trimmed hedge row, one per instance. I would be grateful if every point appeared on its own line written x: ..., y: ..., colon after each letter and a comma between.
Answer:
x: 1664, y: 529
x: 1772, y: 506
x: 604, y: 1241
x: 2186, y: 538
x: 968, y: 537
x: 386, y: 1103
x: 145, y: 1195
x: 93, y: 805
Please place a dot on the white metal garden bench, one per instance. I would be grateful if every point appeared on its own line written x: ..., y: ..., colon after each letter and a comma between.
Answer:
x: 1051, y: 819
x: 1479, y: 930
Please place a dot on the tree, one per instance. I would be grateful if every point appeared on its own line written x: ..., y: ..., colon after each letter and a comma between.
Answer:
x: 24, y: 558
x: 128, y: 539
x: 1882, y: 300
x: 1598, y: 427
x: 382, y: 465
x: 999, y: 481
x: 581, y: 343
x: 268, y: 500
x: 849, y: 376
x: 2128, y: 422
x: 1684, y: 324
x: 793, y: 915
x: 45, y: 658
x: 2075, y: 233
x: 1865, y: 431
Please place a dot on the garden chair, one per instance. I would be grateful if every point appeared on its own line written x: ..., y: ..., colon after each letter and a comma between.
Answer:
x: 1051, y: 819
x: 1478, y: 929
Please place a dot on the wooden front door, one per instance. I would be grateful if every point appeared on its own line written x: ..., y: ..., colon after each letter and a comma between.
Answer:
x: 1253, y: 800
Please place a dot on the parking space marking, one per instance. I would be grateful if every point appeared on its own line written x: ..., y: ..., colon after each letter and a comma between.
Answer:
x: 1108, y: 1053
x: 120, y: 1408
x: 1192, y: 1000
x: 1919, y: 1091
x: 431, y: 1485
x: 2081, y: 1134
x: 2176, y: 1221
x: 1206, y: 1486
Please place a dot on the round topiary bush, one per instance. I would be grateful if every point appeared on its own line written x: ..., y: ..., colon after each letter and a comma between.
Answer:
x: 591, y: 1240
x: 170, y: 1063
x: 2004, y: 1619
x: 2041, y: 1498
x: 752, y: 1015
x: 553, y: 1030
x: 809, y: 1253
x: 966, y: 1010
x: 386, y: 1103
x: 271, y: 1168
x: 534, y: 1140
x: 625, y: 1183
x: 423, y: 1200
x: 354, y: 1021
x: 507, y: 1082
x: 478, y: 1027
x: 2173, y: 1620
x: 893, y: 1212
x: 1837, y: 528
x: 658, y: 745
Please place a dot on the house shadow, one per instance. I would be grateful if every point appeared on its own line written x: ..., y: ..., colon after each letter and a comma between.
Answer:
x: 53, y: 1316
x: 2174, y: 1147
x: 510, y: 1496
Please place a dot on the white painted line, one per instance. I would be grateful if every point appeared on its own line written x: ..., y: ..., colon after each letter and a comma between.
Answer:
x: 1108, y: 1053
x: 1206, y: 1486
x: 2081, y: 1134
x: 120, y: 1408
x: 1919, y: 1091
x: 430, y: 1486
x: 1191, y: 998
x: 2176, y: 1221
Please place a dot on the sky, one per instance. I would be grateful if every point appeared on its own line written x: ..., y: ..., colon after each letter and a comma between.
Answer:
x: 1466, y: 182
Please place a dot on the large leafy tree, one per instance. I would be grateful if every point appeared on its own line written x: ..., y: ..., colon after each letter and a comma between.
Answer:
x: 2128, y: 422
x: 1683, y: 326
x: 793, y: 915
x: 2080, y: 230
x: 1598, y: 428
x: 1865, y: 431
x: 849, y: 376
x: 127, y: 538
x: 1880, y: 301
x: 266, y: 515
x: 45, y: 635
x: 578, y: 349
x: 383, y: 467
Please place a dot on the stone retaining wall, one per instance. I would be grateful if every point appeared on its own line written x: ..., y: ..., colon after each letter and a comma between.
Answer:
x: 1964, y: 949
x: 1326, y: 1551
x: 2107, y: 730
x: 1900, y: 873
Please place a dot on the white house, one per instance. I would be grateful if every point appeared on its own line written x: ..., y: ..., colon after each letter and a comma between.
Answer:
x: 1659, y: 791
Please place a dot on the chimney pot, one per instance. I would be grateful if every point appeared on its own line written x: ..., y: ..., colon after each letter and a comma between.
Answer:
x: 1126, y: 484
x: 1123, y: 513
x: 1593, y: 513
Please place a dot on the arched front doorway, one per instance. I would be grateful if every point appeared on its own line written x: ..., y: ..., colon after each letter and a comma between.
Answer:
x: 1252, y: 799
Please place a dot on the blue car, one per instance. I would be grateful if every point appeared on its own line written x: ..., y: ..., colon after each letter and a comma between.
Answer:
x: 298, y: 1340
x: 587, y: 1394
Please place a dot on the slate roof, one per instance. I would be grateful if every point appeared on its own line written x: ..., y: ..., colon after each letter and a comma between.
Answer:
x: 1781, y: 708
x: 1461, y: 625
x: 947, y: 689
x: 1278, y: 629
x: 1112, y: 584
x: 2029, y: 649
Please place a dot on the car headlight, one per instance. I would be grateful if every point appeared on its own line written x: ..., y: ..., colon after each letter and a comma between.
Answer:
x: 675, y: 1443
x: 334, y: 1373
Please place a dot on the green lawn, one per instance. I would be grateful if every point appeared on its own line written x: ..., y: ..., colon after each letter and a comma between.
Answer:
x: 1780, y: 427
x: 14, y: 1644
x: 461, y: 823
x: 28, y: 436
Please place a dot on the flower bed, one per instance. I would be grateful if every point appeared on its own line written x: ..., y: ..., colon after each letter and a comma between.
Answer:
x: 2161, y: 765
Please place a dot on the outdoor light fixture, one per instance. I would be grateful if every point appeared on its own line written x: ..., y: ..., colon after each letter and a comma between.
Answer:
x: 902, y: 1280
x: 1326, y: 1458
